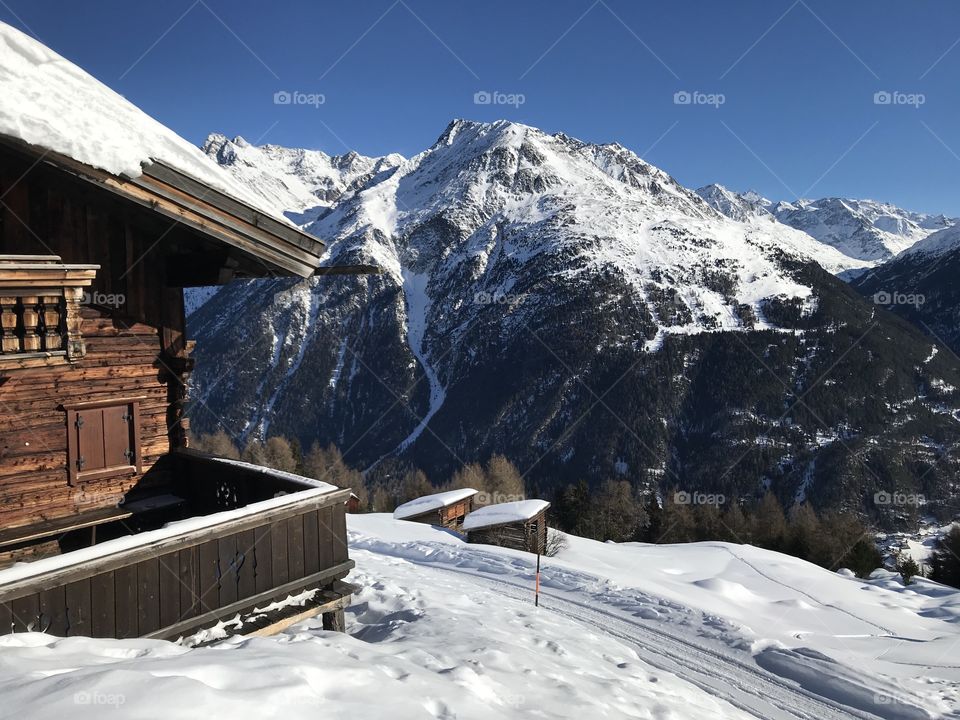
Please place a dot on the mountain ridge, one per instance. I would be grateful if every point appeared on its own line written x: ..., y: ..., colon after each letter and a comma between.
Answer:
x: 526, y: 277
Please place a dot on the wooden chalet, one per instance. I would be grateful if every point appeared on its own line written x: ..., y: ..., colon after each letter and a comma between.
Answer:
x: 520, y: 525
x: 117, y: 528
x: 445, y: 509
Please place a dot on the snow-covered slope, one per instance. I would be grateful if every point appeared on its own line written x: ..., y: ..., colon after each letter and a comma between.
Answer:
x: 936, y: 244
x: 865, y: 231
x: 441, y: 629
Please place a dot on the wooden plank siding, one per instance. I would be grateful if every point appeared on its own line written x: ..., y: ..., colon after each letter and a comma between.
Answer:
x: 159, y: 592
x: 530, y: 535
x: 130, y: 339
x: 450, y: 516
x: 120, y: 362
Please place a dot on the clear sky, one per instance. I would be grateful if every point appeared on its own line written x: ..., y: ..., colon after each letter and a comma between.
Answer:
x: 782, y: 92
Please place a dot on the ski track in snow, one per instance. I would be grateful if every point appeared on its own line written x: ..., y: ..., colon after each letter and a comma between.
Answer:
x: 775, y: 684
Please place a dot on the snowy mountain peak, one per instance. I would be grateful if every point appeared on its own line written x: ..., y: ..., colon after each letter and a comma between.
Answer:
x: 867, y: 232
x: 494, y: 208
x: 738, y: 206
x: 305, y: 183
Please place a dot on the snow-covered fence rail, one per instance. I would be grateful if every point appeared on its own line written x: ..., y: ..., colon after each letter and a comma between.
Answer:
x: 193, y: 573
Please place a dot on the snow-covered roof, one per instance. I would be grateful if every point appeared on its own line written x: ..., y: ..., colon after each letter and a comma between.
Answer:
x: 50, y: 103
x: 432, y: 502
x: 504, y: 513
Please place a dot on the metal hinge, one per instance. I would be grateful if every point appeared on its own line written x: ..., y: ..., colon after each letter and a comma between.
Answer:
x: 128, y: 453
x: 78, y: 422
x: 81, y: 461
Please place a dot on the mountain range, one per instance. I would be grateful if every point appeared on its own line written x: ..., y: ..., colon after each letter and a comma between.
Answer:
x: 865, y: 231
x: 575, y: 308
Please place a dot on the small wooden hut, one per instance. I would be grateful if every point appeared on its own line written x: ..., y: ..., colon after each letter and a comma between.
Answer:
x: 520, y: 525
x: 446, y: 509
x: 105, y: 217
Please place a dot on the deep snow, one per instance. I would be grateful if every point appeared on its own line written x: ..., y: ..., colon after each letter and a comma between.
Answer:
x: 444, y: 629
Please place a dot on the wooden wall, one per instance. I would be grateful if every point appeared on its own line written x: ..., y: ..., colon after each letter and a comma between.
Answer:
x: 131, y: 339
x: 210, y: 575
x: 120, y: 362
x: 450, y: 517
x: 530, y: 536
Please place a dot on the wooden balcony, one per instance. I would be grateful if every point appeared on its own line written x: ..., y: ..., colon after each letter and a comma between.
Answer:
x: 234, y: 537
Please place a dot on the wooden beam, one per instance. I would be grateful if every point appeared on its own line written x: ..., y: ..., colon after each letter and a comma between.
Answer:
x: 281, y: 247
x: 174, y: 178
x: 241, y: 607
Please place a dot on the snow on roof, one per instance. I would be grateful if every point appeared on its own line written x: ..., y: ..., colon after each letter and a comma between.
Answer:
x: 432, y: 502
x: 49, y: 102
x: 504, y: 513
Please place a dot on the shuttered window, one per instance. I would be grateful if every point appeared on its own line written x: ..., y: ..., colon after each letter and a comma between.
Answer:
x: 103, y: 439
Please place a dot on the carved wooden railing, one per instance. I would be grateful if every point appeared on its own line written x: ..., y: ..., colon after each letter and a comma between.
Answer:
x: 30, y: 324
x: 40, y: 300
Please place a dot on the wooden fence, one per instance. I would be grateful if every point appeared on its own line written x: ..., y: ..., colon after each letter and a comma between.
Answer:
x: 190, y: 580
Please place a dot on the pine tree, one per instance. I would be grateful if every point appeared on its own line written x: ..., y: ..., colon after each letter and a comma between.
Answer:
x: 471, y: 475
x: 218, y: 443
x: 381, y: 500
x: 616, y: 514
x: 839, y: 535
x: 945, y: 561
x: 279, y: 454
x: 415, y: 485
x: 864, y: 558
x: 707, y: 523
x: 735, y: 526
x: 573, y: 507
x: 907, y: 567
x: 678, y: 524
x: 503, y: 481
x: 771, y: 525
x: 654, y: 514
x: 803, y: 533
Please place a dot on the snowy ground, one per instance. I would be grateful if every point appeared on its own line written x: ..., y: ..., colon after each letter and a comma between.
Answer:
x: 447, y: 630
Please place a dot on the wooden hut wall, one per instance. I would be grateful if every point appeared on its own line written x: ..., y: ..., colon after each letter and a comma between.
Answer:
x: 134, y: 340
x: 452, y: 516
x: 530, y: 535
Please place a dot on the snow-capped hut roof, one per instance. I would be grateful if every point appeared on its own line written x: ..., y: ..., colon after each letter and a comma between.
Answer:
x: 520, y: 525
x: 445, y: 508
x: 59, y: 114
x: 504, y: 514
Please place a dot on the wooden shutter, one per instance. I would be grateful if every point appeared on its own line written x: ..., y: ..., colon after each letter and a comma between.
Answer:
x: 103, y: 439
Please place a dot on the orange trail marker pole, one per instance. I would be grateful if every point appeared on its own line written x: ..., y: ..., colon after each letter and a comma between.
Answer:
x: 536, y: 596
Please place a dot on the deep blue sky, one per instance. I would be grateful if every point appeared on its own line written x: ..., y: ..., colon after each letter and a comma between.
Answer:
x: 393, y: 74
